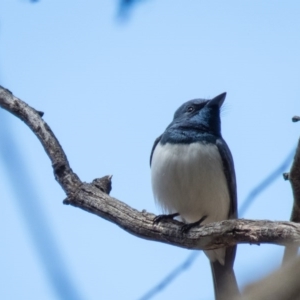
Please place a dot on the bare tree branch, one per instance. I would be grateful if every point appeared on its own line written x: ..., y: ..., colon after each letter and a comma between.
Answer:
x: 291, y: 251
x: 294, y: 178
x: 94, y: 198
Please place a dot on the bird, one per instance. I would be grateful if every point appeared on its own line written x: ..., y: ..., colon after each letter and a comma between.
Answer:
x: 193, y: 179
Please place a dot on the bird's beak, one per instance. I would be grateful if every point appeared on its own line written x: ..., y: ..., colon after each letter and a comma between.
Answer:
x: 219, y: 100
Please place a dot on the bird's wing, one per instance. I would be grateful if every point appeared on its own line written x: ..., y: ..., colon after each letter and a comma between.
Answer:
x: 230, y: 175
x: 154, y: 145
x: 223, y: 275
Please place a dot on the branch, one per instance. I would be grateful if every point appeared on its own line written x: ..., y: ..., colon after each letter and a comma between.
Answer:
x: 291, y: 251
x: 93, y: 197
x: 294, y: 178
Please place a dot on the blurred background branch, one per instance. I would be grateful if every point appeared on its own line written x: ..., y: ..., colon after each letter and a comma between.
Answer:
x: 282, y: 284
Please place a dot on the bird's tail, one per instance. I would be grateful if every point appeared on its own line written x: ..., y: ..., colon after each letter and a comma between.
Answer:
x: 225, y: 284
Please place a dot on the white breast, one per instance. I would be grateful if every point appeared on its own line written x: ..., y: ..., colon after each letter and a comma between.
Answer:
x: 189, y: 179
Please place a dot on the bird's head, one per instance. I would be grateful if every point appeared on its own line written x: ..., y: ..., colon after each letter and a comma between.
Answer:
x: 195, y: 117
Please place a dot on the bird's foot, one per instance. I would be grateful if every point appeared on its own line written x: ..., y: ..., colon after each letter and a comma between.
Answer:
x: 186, y: 227
x: 160, y: 218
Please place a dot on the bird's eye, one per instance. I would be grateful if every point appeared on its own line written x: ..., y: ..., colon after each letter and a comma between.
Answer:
x: 190, y: 109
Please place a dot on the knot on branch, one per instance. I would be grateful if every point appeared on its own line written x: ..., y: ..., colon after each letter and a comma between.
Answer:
x: 104, y: 184
x: 59, y: 168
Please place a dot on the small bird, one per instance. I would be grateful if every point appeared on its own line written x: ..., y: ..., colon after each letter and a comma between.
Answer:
x: 193, y: 178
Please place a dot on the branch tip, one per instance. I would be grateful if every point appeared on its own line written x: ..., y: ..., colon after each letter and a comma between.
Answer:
x: 66, y: 201
x: 40, y: 113
x: 286, y: 176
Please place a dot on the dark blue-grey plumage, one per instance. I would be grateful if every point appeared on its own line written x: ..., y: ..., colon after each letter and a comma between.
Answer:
x: 202, y: 124
x: 196, y: 128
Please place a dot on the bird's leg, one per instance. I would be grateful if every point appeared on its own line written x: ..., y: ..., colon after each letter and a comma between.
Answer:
x: 186, y: 227
x: 160, y: 218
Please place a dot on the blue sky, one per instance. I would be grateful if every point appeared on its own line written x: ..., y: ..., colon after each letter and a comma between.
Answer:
x: 108, y: 89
